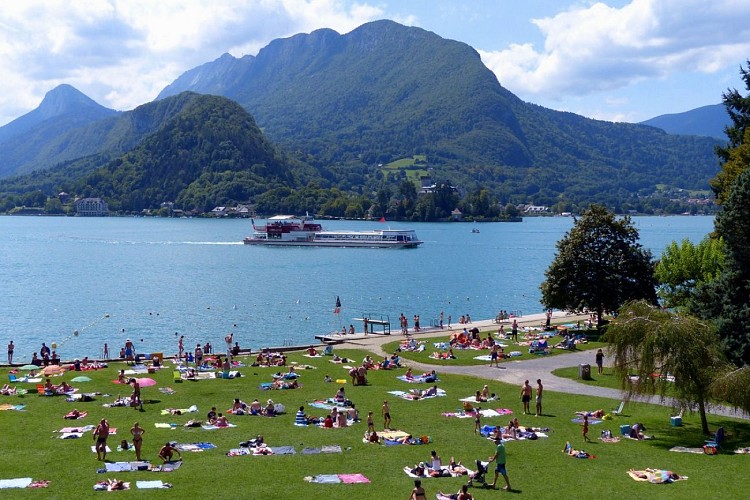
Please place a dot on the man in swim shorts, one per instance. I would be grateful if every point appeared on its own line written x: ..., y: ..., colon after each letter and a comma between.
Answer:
x: 101, y: 433
x: 526, y: 396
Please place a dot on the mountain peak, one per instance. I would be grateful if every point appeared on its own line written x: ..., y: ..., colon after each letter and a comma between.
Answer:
x: 64, y: 99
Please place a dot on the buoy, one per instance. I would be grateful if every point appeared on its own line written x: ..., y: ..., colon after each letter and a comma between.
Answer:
x: 75, y: 332
x: 53, y: 345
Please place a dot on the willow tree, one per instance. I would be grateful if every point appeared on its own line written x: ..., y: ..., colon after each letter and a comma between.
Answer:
x: 646, y: 340
x: 599, y: 266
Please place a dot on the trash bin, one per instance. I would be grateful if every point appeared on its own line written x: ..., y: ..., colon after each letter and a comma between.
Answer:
x: 584, y: 372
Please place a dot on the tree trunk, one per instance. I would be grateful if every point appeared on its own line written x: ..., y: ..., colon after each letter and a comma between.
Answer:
x: 599, y: 315
x: 702, y: 411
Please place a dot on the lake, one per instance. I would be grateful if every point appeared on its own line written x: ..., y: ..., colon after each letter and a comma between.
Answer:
x: 80, y: 282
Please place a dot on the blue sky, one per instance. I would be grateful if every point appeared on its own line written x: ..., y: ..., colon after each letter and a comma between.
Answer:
x: 618, y: 60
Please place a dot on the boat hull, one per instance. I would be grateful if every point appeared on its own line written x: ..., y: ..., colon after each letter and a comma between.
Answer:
x: 332, y: 244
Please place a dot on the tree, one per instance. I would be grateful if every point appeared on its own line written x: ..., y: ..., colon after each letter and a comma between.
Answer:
x: 738, y: 108
x: 684, y: 267
x: 647, y: 340
x: 599, y: 266
x: 726, y: 298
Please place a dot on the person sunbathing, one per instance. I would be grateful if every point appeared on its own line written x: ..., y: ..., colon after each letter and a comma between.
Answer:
x: 479, y: 398
x: 408, y: 375
x: 591, y: 414
x: 432, y: 391
x: 372, y: 437
x: 419, y: 470
x: 328, y: 422
x: 221, y: 421
x: 341, y: 419
x: 311, y: 351
x: 7, y: 390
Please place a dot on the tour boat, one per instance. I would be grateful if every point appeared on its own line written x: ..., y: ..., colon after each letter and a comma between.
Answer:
x: 288, y: 230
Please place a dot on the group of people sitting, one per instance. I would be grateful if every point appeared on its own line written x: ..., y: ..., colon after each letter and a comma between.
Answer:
x: 62, y: 389
x: 427, y: 377
x: 267, y: 358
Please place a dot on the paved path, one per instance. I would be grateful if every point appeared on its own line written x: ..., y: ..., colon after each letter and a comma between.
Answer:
x: 515, y: 372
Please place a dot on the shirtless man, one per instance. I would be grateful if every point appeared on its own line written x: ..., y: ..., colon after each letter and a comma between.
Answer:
x: 101, y: 433
x: 526, y: 397
x: 386, y: 411
x: 539, y: 389
x: 167, y: 451
x: 11, y: 347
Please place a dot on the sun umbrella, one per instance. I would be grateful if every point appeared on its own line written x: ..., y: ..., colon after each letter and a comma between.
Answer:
x: 28, y: 368
x: 81, y: 379
x: 146, y: 382
x: 52, y: 370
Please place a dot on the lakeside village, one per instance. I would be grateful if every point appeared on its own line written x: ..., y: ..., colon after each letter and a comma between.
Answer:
x: 63, y: 204
x: 98, y: 207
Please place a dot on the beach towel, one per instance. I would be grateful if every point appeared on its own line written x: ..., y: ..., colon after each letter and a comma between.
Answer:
x: 654, y: 476
x: 86, y: 428
x: 353, y: 478
x: 148, y: 485
x: 21, y: 482
x: 334, y: 448
x: 283, y: 450
x: 93, y: 448
x: 167, y: 390
x: 110, y: 485
x: 418, y: 380
x: 473, y: 399
x: 682, y: 449
x: 337, y: 479
x: 393, y: 434
x: 7, y: 406
x: 174, y: 411
x: 129, y: 447
x: 195, y: 447
x: 446, y: 471
x: 163, y: 425
x: 410, y: 396
x: 211, y: 427
x: 592, y: 421
x: 71, y: 435
x: 236, y: 452
x: 324, y: 479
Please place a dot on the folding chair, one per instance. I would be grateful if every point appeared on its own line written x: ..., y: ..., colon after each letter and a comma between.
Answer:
x: 618, y: 410
x: 718, y: 438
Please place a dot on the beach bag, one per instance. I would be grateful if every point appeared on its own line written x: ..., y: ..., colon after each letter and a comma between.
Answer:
x: 710, y: 449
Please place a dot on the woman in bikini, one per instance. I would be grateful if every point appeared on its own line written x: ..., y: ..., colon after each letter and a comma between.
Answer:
x: 418, y: 492
x: 137, y: 432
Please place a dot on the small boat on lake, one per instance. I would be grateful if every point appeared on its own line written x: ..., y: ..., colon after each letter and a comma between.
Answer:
x: 288, y: 230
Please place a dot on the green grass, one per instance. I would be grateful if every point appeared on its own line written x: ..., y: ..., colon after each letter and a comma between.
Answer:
x: 466, y: 356
x: 537, y: 469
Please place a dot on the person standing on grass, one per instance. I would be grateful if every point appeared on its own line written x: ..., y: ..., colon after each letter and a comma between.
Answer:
x: 539, y: 390
x: 526, y: 397
x: 499, y: 459
x: 599, y: 361
x: 137, y: 432
x: 386, y: 411
x: 228, y: 339
x: 514, y: 330
x: 418, y: 492
x: 493, y: 356
x: 101, y: 433
x: 586, y: 429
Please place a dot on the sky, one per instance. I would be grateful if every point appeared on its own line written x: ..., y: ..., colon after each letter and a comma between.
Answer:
x: 616, y: 60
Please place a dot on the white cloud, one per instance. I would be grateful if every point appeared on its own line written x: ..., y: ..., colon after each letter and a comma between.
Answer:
x: 121, y: 53
x: 600, y: 48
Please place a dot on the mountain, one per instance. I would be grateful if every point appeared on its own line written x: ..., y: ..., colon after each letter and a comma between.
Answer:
x: 349, y: 105
x: 385, y: 91
x: 37, y: 139
x: 707, y: 121
x: 206, y: 148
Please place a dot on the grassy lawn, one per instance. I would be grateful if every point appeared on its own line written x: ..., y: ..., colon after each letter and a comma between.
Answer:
x: 466, y: 356
x: 537, y: 469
